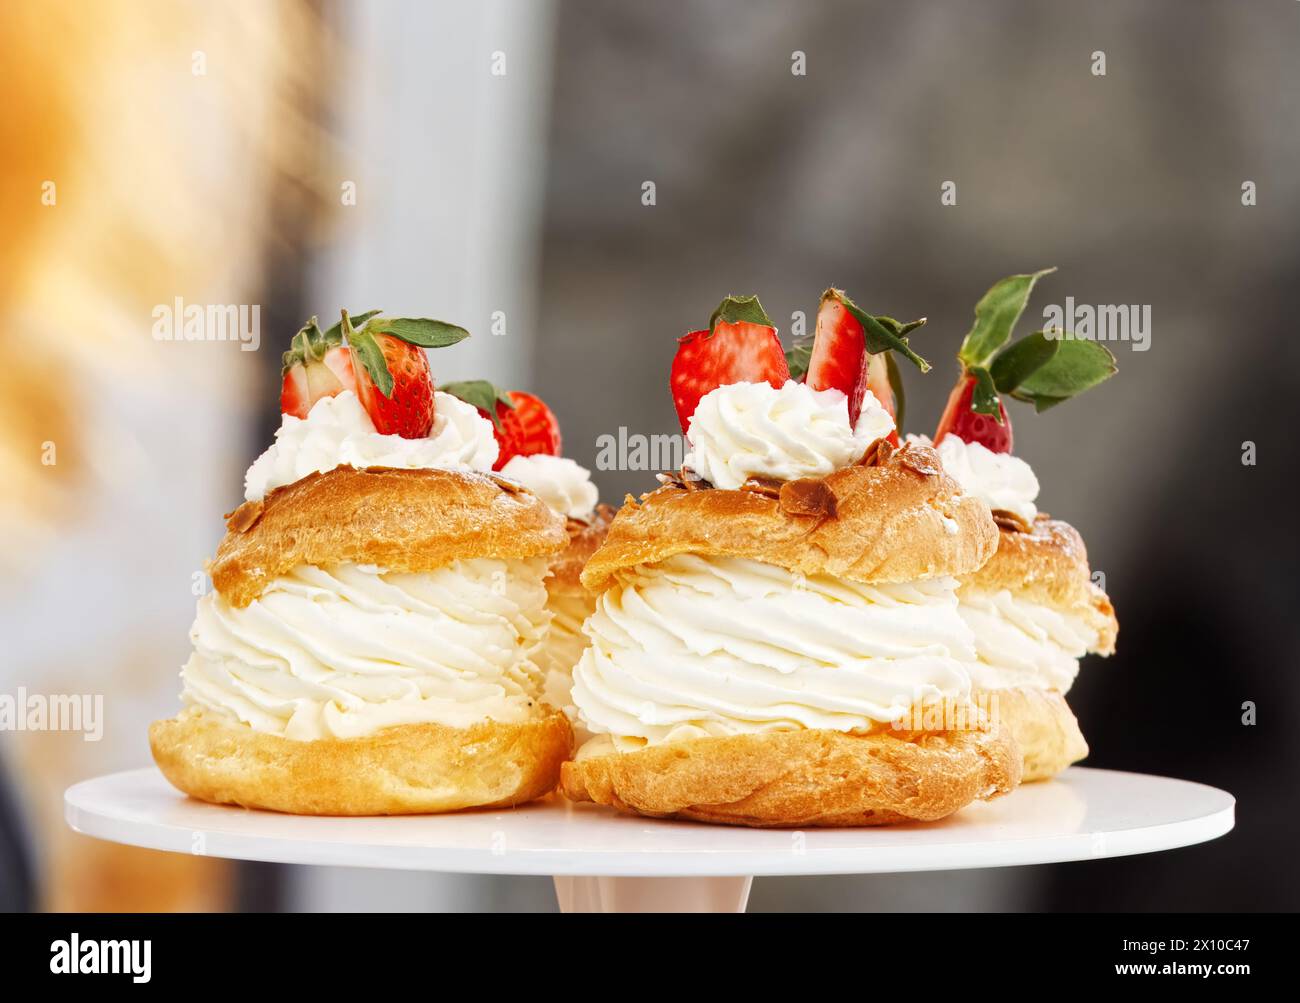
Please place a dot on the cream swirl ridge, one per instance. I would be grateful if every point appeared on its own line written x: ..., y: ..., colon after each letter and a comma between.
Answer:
x: 697, y: 646
x: 1021, y: 643
x: 1002, y: 480
x: 337, y: 432
x: 564, y: 485
x: 745, y: 430
x: 344, y: 651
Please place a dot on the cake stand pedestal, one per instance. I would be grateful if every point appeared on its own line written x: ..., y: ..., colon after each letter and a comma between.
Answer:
x: 606, y: 862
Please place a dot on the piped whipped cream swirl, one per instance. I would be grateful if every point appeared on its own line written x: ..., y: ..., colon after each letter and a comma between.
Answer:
x: 338, y: 432
x: 1019, y: 643
x: 1002, y: 480
x: 745, y: 430
x: 696, y: 646
x: 564, y: 485
x: 344, y: 651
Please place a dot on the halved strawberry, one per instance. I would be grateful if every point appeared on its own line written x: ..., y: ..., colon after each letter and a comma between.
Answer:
x: 522, y: 423
x: 960, y: 419
x: 393, y: 381
x: 740, y: 346
x: 317, y: 365
x: 875, y: 377
x: 848, y: 357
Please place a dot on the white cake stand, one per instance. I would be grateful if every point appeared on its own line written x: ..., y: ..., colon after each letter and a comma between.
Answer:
x: 606, y: 862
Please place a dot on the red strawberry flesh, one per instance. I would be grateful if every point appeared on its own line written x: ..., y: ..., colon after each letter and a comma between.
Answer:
x: 528, y: 428
x: 408, y: 410
x: 739, y: 352
x: 972, y: 426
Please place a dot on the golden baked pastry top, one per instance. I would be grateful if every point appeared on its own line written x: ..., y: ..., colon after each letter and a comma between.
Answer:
x: 585, y: 538
x: 404, y: 520
x: 896, y: 517
x: 1048, y: 564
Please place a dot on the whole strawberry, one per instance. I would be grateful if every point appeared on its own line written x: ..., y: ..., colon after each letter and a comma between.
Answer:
x: 740, y: 345
x: 1043, y: 368
x: 522, y: 423
x: 391, y: 370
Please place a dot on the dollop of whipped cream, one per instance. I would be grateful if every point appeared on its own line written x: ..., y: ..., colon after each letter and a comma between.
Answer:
x: 338, y: 432
x: 1021, y: 643
x: 696, y: 646
x: 344, y: 651
x: 1002, y: 480
x: 564, y: 485
x: 745, y: 430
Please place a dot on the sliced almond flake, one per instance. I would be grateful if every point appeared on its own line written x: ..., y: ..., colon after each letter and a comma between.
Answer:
x: 768, y: 487
x: 1011, y: 521
x: 923, y: 460
x: 692, y: 481
x: 507, y: 485
x: 808, y: 496
x: 245, y: 517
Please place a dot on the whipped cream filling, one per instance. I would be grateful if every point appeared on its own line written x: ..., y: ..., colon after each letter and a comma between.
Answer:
x: 565, y: 643
x: 1000, y: 479
x: 746, y: 430
x: 338, y: 432
x: 564, y: 485
x: 696, y: 646
x: 1019, y: 643
x: 344, y: 651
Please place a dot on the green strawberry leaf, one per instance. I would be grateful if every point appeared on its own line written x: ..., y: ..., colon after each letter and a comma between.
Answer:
x: 1016, y: 363
x: 798, y: 357
x: 334, y: 335
x: 882, y: 336
x: 1077, y: 365
x: 366, y: 348
x: 420, y: 331
x: 740, y: 310
x: 995, y: 317
x: 896, y: 385
x: 984, y: 399
x: 481, y: 394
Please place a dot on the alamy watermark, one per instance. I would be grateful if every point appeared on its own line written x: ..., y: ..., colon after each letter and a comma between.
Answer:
x: 1103, y: 322
x: 181, y: 321
x: 83, y: 712
x: 637, y: 451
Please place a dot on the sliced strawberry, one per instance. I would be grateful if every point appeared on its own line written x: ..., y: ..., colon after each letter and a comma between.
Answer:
x: 522, y: 423
x: 960, y: 419
x: 527, y: 428
x: 839, y: 352
x: 847, y: 357
x: 740, y: 346
x: 875, y: 377
x: 317, y: 365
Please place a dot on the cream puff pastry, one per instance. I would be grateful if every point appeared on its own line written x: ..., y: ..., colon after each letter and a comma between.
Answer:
x: 770, y: 620
x: 370, y: 642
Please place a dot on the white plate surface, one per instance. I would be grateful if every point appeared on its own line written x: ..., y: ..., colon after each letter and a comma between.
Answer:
x: 1083, y: 814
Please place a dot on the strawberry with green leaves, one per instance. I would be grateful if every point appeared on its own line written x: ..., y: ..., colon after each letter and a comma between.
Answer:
x: 1043, y: 368
x: 853, y: 352
x: 522, y: 423
x: 391, y: 370
x: 740, y: 345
